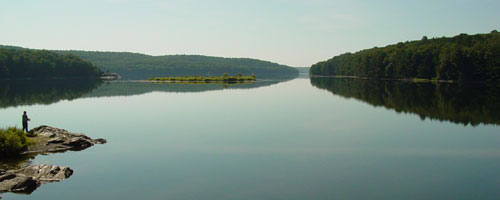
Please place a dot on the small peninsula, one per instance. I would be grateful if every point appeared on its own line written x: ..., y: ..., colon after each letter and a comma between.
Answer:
x: 225, y: 78
x: 41, y: 140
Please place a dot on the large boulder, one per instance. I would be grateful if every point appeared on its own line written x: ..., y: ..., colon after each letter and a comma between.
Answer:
x: 50, y: 139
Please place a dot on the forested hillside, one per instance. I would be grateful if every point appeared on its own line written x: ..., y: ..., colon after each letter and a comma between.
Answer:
x: 16, y: 63
x: 140, y: 66
x: 463, y: 58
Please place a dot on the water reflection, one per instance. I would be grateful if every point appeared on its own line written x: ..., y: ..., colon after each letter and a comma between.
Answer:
x: 15, y: 162
x: 129, y: 88
x: 458, y: 103
x: 17, y: 93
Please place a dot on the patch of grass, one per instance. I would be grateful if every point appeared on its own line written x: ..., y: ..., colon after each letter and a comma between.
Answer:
x: 225, y: 78
x: 420, y: 80
x: 13, y: 141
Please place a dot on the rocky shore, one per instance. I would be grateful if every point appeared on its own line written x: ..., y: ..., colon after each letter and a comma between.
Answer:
x: 46, y: 140
x: 49, y: 139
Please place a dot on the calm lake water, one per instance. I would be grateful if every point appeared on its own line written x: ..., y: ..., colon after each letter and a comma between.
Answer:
x: 291, y: 139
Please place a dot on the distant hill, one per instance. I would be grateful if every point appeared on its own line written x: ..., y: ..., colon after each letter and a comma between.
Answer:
x: 462, y: 58
x: 18, y: 63
x: 303, y: 70
x: 141, y: 66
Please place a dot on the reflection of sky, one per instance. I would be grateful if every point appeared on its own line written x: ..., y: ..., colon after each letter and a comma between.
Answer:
x: 290, y: 140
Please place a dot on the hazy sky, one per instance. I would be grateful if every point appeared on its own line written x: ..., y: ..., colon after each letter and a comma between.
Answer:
x: 291, y: 32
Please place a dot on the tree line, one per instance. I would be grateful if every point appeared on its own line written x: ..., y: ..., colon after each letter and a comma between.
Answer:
x: 461, y: 58
x: 141, y: 66
x: 16, y: 63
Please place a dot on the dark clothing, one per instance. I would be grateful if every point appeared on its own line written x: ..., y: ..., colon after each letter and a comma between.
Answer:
x: 25, y: 122
x: 25, y: 127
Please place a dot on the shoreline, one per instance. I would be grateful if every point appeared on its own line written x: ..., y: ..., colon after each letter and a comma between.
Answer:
x: 414, y: 80
x: 26, y: 178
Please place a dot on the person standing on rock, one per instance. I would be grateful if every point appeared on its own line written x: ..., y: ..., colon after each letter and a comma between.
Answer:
x: 25, y: 122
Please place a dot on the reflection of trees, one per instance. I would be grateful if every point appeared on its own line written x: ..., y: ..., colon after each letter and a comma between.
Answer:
x: 137, y: 88
x: 459, y: 103
x: 15, y: 162
x: 16, y: 93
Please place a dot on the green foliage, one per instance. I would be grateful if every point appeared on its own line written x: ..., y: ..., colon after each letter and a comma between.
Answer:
x: 41, y: 64
x: 462, y: 58
x: 12, y: 141
x: 140, y: 66
x: 459, y: 103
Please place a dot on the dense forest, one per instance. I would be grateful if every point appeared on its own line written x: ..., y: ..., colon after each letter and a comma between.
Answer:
x: 40, y: 64
x: 140, y: 66
x: 462, y: 58
x: 458, y: 103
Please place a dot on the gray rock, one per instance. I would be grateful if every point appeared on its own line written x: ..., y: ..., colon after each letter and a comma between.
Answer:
x: 17, y: 183
x: 100, y: 141
x: 26, y: 180
x: 55, y: 141
x: 59, y: 140
x: 79, y: 142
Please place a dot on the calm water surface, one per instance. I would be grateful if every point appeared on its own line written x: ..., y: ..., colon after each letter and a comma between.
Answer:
x: 286, y: 140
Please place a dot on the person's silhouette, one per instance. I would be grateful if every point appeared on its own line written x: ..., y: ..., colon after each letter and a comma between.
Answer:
x: 25, y: 122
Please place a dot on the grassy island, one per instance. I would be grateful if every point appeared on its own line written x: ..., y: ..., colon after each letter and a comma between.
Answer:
x: 206, y: 79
